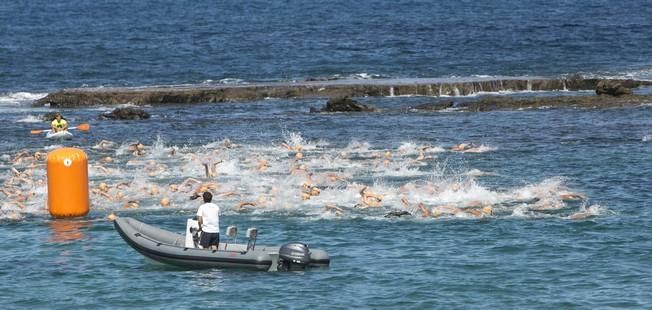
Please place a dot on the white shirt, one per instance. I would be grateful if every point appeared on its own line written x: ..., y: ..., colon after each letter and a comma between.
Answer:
x: 210, y: 215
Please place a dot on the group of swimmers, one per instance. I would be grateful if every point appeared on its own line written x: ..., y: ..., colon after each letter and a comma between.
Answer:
x: 308, y: 172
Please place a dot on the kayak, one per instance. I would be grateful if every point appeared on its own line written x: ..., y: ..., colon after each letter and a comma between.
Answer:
x: 178, y: 250
x: 61, y: 135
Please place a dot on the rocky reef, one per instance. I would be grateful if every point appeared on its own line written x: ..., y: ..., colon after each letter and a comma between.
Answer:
x: 320, y: 89
x: 127, y: 113
x: 344, y: 104
x: 492, y: 103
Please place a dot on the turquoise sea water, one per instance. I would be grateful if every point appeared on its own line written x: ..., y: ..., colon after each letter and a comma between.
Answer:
x: 513, y: 259
x: 535, y: 251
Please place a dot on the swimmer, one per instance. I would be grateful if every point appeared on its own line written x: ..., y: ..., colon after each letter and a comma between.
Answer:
x: 103, y: 145
x: 242, y: 206
x: 444, y: 210
x: 262, y: 165
x: 547, y: 204
x: 136, y: 149
x: 111, y: 216
x: 102, y: 190
x: 202, y: 188
x: 294, y: 170
x: 228, y: 144
x: 152, y: 168
x: 462, y: 147
x: 228, y: 194
x: 571, y: 196
x: 473, y: 203
x: 18, y: 158
x: 397, y: 213
x: 18, y: 204
x: 102, y: 169
x: 422, y: 208
x: 424, y: 211
x: 370, y: 199
x: 165, y: 202
x: 296, y: 148
x: 119, y: 196
x: 405, y: 203
x: 105, y: 195
x: 188, y: 183
x: 334, y: 177
x: 212, y: 171
x: 580, y: 215
x: 422, y: 153
x: 485, y: 211
x: 103, y: 187
x: 131, y: 204
x: 40, y: 156
x: 332, y: 208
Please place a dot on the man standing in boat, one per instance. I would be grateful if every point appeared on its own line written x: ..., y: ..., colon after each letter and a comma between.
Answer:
x: 208, y: 216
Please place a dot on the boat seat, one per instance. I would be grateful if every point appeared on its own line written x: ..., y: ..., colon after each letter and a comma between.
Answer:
x: 252, y: 234
x: 232, y: 232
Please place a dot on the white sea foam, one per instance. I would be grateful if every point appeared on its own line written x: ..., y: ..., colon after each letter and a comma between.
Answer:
x: 29, y: 119
x: 20, y: 98
x: 644, y: 74
x: 232, y: 81
x: 477, y: 173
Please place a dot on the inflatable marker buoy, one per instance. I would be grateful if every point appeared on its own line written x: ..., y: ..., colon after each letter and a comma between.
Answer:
x: 67, y: 172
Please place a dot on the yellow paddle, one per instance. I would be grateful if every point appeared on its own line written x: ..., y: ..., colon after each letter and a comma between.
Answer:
x: 82, y: 127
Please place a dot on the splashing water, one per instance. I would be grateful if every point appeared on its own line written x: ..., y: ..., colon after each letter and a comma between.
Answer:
x: 274, y: 180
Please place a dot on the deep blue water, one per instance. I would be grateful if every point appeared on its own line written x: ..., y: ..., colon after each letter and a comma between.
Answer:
x: 47, y: 45
x: 518, y: 258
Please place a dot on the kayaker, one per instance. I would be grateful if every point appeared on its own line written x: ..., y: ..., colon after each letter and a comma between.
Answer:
x: 59, y: 124
x: 208, y: 217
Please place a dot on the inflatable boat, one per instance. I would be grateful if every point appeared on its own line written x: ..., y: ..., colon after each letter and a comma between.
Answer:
x: 183, y: 251
x: 61, y: 135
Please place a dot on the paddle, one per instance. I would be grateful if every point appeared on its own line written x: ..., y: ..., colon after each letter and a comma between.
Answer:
x: 82, y: 127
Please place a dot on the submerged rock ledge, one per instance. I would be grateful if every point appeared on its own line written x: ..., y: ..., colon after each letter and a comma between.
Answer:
x: 312, y: 89
x: 493, y: 103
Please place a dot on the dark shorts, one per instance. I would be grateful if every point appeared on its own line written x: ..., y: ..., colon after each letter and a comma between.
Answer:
x: 208, y: 239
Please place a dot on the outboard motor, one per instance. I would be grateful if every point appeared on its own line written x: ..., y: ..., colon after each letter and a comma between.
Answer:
x: 293, y: 256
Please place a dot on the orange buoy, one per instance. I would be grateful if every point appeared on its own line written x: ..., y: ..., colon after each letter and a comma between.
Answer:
x: 67, y: 170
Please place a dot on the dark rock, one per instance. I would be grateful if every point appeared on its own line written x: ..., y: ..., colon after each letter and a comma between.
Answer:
x: 50, y: 116
x: 437, y: 106
x: 612, y: 87
x: 345, y: 104
x: 125, y: 114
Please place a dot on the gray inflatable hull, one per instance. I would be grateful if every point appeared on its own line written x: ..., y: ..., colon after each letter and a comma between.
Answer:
x: 169, y: 248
